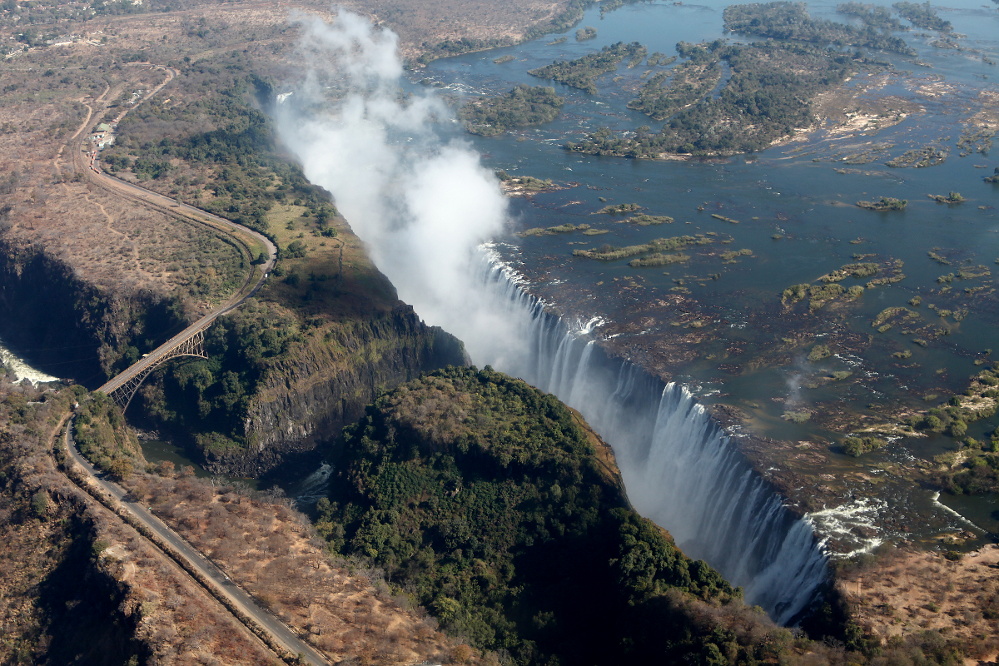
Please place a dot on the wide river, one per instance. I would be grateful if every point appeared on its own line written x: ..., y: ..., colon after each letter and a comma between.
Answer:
x: 784, y: 216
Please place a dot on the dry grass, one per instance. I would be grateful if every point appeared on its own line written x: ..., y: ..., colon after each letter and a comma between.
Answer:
x: 908, y: 592
x: 113, y: 243
x: 271, y: 551
x: 175, y: 619
x: 55, y: 94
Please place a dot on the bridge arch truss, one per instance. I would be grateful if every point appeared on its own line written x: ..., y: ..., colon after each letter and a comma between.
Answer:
x: 123, y: 392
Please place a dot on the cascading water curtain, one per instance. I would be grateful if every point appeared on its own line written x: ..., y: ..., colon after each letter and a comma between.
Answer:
x: 680, y: 468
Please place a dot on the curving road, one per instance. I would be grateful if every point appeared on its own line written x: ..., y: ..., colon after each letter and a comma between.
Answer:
x: 220, y: 584
x: 212, y: 578
x: 180, y: 209
x: 165, y: 204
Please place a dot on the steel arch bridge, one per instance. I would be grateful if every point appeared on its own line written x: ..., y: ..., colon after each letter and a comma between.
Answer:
x: 122, y: 387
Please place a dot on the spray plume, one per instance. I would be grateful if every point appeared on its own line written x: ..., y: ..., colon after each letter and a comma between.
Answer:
x: 419, y: 199
x: 423, y: 204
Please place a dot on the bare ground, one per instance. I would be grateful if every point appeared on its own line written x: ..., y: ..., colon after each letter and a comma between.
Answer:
x: 344, y: 609
x: 909, y: 592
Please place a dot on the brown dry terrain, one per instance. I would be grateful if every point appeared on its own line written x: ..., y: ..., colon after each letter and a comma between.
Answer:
x: 112, y: 243
x: 53, y: 96
x: 910, y: 596
x: 272, y: 551
x: 61, y: 554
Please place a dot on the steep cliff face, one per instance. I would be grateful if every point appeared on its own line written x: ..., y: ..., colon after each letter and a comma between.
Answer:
x: 72, y: 328
x: 323, y: 384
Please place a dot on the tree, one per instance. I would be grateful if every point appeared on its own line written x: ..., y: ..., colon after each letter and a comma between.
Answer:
x: 40, y: 504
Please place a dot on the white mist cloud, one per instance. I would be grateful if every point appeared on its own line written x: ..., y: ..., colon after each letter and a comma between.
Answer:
x: 420, y: 200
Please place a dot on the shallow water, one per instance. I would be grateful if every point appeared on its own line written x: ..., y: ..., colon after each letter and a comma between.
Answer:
x: 793, y: 192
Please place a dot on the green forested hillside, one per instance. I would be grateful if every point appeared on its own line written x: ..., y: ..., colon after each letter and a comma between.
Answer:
x: 490, y: 503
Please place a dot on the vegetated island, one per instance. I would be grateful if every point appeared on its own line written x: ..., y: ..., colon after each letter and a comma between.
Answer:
x: 654, y: 247
x: 950, y: 198
x: 491, y: 503
x: 766, y: 99
x: 526, y: 185
x: 582, y: 72
x: 884, y: 204
x: 922, y: 16
x: 872, y: 16
x: 791, y: 21
x: 524, y: 106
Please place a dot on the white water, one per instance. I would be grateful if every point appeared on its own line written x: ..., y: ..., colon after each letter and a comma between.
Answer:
x: 313, y: 487
x: 422, y: 203
x: 20, y: 370
x: 679, y: 467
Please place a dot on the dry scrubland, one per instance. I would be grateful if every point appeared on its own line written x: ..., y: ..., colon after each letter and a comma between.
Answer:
x: 74, y: 578
x: 905, y: 594
x: 346, y: 611
x: 53, y: 96
x: 50, y: 97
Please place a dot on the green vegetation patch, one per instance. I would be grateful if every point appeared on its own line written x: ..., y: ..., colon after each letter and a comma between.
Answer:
x: 620, y: 209
x: 551, y: 231
x: 892, y: 316
x: 525, y: 183
x: 950, y: 198
x: 610, y: 253
x: 524, y: 106
x: 872, y: 16
x: 659, y: 259
x: 922, y: 16
x: 666, y: 93
x: 583, y: 72
x: 820, y: 295
x: 884, y: 204
x: 211, y: 397
x: 484, y: 500
x: 851, y: 270
x: 105, y: 439
x: 790, y: 20
x: 731, y: 256
x: 919, y: 157
x: 766, y: 98
x: 644, y: 220
x: 858, y: 446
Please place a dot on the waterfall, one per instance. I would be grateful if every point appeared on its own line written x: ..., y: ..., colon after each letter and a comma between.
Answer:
x: 680, y: 468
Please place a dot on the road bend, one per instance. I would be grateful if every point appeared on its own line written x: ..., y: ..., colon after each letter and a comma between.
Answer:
x: 180, y: 209
x: 218, y: 583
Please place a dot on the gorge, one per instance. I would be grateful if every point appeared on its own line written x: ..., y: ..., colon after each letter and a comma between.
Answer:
x: 423, y: 205
x: 800, y: 389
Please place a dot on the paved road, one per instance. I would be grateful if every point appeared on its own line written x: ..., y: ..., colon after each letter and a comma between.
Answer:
x: 174, y: 207
x: 83, y: 164
x: 220, y: 582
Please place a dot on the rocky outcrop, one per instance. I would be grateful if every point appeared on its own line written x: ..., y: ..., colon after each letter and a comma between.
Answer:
x: 309, y: 395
